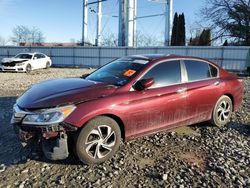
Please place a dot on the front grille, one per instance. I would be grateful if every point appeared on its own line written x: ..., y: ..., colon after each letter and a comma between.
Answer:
x: 39, y: 128
x: 11, y: 64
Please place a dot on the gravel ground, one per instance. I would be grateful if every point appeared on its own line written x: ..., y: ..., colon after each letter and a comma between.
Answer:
x: 197, y: 156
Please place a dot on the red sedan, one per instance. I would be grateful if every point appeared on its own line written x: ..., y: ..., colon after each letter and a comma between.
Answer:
x: 127, y: 98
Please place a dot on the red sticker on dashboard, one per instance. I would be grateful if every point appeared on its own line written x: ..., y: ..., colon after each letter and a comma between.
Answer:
x: 129, y: 73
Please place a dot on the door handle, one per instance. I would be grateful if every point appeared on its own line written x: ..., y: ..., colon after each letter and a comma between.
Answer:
x: 216, y: 83
x: 181, y: 90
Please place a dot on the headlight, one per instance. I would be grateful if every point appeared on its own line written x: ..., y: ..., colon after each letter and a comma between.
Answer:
x: 49, y: 116
x: 20, y: 64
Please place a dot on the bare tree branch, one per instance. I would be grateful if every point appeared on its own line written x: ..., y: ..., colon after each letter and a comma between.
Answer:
x: 228, y: 18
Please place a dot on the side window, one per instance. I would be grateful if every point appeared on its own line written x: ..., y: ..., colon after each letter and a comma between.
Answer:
x: 165, y: 74
x: 213, y: 70
x: 36, y: 56
x: 41, y: 56
x: 197, y: 70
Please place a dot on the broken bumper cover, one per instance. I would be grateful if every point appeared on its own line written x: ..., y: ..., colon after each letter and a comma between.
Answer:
x: 56, y: 149
x: 53, y: 138
x: 12, y: 69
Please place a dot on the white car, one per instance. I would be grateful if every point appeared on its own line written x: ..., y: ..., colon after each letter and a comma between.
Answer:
x: 26, y: 62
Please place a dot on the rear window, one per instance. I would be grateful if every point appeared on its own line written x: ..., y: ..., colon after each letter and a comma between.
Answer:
x: 213, y: 71
x: 197, y: 70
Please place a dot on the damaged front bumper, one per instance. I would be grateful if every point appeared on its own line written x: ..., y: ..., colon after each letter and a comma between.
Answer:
x: 12, y: 68
x: 53, y: 138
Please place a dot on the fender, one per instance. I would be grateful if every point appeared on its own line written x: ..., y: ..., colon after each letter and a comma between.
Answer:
x: 85, y: 111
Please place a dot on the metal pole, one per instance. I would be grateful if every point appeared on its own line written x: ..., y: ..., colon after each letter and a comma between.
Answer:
x: 131, y: 23
x: 168, y: 21
x: 122, y: 22
x: 85, y: 22
x: 134, y: 23
x: 99, y: 23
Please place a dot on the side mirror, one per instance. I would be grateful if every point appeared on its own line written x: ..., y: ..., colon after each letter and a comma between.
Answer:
x: 85, y: 75
x: 143, y: 84
x: 35, y: 58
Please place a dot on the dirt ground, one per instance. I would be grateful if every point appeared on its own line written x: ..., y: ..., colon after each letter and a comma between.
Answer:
x: 196, y: 156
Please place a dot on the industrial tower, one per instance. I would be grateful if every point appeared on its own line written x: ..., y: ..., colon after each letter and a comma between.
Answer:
x: 127, y: 21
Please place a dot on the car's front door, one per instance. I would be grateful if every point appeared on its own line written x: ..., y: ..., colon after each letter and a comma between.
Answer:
x: 202, y: 88
x: 160, y: 106
x: 43, y: 61
x: 36, y: 62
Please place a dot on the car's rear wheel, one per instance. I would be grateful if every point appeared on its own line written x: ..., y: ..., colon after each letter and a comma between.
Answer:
x: 222, y: 111
x: 98, y: 140
x: 47, y: 65
x: 28, y: 68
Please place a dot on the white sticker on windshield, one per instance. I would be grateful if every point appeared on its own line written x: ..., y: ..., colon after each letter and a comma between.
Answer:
x: 141, y: 61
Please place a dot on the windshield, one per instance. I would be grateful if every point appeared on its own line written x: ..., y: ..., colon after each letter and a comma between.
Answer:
x: 23, y: 56
x: 118, y: 72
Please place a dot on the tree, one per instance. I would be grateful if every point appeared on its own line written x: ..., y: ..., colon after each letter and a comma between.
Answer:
x: 202, y: 39
x: 225, y: 43
x: 143, y: 40
x: 23, y: 35
x: 205, y: 38
x: 109, y: 39
x: 178, y: 37
x: 175, y: 30
x: 182, y: 30
x: 39, y: 37
x: 20, y: 34
x: 229, y: 18
x: 36, y: 36
x: 194, y: 41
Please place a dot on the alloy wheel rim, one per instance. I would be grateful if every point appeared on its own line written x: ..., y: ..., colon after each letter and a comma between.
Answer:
x: 100, y: 142
x: 28, y: 68
x: 223, y: 112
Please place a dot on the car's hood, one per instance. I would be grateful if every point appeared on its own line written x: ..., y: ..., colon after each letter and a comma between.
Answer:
x: 12, y: 59
x: 60, y: 92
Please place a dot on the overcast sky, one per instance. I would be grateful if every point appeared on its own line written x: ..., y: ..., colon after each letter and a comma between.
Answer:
x: 60, y: 20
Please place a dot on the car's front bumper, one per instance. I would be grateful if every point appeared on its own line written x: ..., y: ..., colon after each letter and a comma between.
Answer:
x: 13, y: 69
x: 54, y: 138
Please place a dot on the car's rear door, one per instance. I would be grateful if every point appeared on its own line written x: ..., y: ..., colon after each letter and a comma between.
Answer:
x: 160, y: 106
x: 203, y: 89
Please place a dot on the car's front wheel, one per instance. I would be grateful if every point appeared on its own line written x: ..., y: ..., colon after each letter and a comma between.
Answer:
x: 222, y: 111
x: 98, y: 140
x: 28, y: 68
x: 47, y: 65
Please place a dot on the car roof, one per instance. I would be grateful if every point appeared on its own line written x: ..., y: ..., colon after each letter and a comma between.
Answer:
x: 158, y: 57
x: 149, y: 56
x: 31, y: 53
x: 164, y: 56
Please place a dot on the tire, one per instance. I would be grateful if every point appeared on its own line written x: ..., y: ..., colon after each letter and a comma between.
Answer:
x: 98, y: 140
x: 47, y: 65
x: 28, y: 68
x: 222, y: 111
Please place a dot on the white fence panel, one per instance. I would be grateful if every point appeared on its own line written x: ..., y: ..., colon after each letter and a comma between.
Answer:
x: 87, y: 62
x: 232, y: 58
x: 86, y: 52
x: 112, y: 52
x: 172, y: 50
